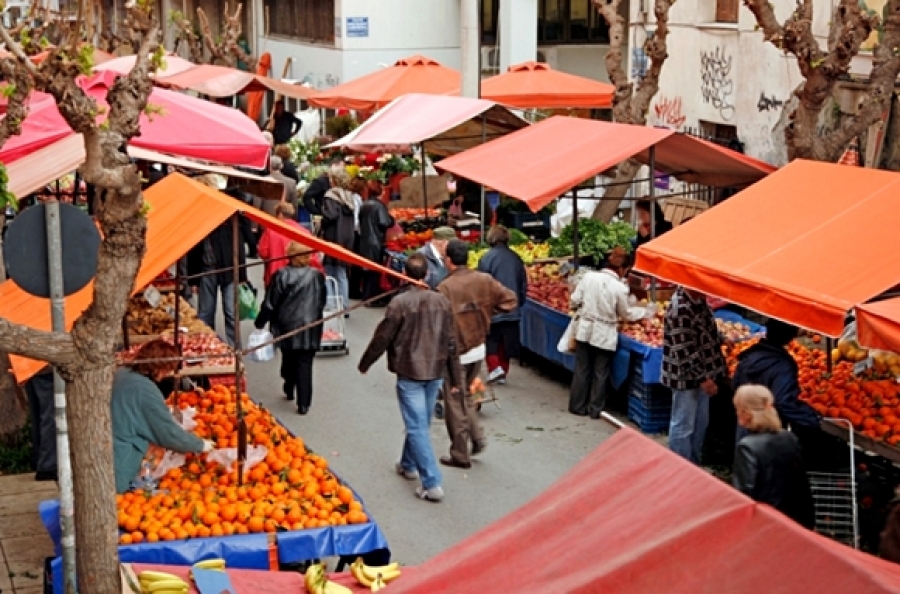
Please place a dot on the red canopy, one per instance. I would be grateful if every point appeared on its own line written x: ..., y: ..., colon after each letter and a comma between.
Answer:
x: 220, y: 81
x: 182, y: 212
x: 536, y: 85
x: 634, y: 518
x: 172, y: 64
x: 416, y: 74
x: 878, y: 324
x: 541, y: 162
x: 187, y: 126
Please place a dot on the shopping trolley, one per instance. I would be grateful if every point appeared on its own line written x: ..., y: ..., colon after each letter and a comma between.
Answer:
x: 334, y: 336
x: 834, y: 497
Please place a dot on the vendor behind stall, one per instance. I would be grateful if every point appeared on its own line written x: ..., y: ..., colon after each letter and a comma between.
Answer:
x: 659, y: 223
x: 140, y: 416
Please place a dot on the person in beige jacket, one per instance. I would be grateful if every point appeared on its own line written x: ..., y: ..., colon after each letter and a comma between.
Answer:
x: 600, y: 300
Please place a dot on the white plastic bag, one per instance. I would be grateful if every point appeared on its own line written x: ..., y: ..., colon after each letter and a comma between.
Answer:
x: 266, y: 353
x: 228, y: 456
x: 565, y: 341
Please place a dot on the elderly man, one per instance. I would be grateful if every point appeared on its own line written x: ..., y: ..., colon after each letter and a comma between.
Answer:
x: 418, y: 334
x: 435, y: 252
x: 276, y: 164
x: 476, y: 297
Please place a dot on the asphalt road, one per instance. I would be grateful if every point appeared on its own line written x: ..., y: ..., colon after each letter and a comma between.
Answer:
x: 355, y: 422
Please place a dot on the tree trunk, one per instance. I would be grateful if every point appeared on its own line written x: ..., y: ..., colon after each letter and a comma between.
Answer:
x: 612, y: 196
x: 15, y: 411
x: 88, y: 396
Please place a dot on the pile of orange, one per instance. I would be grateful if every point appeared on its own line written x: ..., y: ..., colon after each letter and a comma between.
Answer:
x: 869, y: 402
x: 292, y: 489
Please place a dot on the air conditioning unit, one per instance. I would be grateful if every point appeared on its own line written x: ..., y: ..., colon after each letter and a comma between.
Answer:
x: 490, y: 60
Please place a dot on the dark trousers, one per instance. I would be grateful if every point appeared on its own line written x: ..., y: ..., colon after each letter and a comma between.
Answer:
x: 296, y: 371
x: 41, y: 401
x: 502, y: 345
x: 461, y: 416
x: 588, y: 392
x: 371, y: 284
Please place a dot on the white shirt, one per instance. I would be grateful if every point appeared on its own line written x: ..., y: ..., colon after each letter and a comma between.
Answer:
x: 473, y: 356
x: 601, y: 300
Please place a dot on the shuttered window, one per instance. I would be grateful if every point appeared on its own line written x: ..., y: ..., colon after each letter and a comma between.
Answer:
x: 727, y: 11
x: 309, y: 20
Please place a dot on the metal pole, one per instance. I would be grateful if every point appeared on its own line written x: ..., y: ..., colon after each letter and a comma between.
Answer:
x: 238, y: 370
x: 424, y: 180
x: 177, y: 337
x: 575, y: 227
x: 483, y: 140
x: 652, y: 195
x: 64, y: 464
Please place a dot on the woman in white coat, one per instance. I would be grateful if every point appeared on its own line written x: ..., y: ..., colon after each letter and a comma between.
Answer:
x: 600, y: 300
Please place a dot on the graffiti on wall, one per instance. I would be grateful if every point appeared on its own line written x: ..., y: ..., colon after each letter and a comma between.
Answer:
x: 766, y: 103
x: 668, y: 112
x: 716, y: 83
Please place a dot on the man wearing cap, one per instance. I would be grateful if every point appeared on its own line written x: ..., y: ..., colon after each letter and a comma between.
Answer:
x: 435, y: 251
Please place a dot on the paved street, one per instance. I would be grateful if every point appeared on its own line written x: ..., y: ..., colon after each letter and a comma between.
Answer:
x: 355, y: 422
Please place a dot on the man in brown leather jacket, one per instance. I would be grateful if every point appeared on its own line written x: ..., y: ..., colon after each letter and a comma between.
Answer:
x: 418, y: 334
x: 476, y: 297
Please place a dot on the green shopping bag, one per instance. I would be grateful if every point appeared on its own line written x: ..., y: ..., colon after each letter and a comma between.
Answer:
x: 248, y: 309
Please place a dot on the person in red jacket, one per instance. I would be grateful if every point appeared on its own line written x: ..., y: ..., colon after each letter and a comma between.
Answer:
x: 273, y: 245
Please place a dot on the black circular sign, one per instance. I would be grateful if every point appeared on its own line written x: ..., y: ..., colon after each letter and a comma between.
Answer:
x: 25, y: 249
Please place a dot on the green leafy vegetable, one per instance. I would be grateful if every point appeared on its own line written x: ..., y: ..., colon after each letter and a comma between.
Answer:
x: 596, y: 238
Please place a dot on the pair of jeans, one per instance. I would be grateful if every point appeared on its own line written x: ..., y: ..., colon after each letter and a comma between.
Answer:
x: 588, y: 392
x: 417, y: 400
x: 690, y: 418
x: 296, y: 371
x: 339, y: 273
x: 207, y: 294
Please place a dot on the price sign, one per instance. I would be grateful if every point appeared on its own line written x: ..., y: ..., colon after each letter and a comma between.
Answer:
x: 152, y: 296
x: 862, y: 366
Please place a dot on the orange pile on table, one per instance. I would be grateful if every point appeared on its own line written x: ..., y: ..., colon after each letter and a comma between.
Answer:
x: 292, y: 488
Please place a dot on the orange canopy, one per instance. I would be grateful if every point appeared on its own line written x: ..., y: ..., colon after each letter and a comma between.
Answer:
x: 878, y: 324
x: 805, y: 245
x: 221, y: 81
x: 416, y: 74
x: 539, y: 163
x: 182, y: 213
x: 535, y: 85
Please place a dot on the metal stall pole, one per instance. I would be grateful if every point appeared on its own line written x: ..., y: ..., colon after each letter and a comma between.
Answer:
x: 424, y: 181
x: 483, y: 140
x: 238, y: 370
x: 575, y: 227
x: 177, y: 336
x: 652, y: 195
x: 64, y: 465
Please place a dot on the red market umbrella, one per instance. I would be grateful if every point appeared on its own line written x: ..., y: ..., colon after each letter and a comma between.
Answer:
x: 416, y: 74
x: 186, y: 126
x: 535, y: 85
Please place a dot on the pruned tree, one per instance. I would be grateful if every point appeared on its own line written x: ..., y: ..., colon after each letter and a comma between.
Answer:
x: 631, y: 101
x: 205, y: 47
x: 85, y: 356
x: 822, y: 69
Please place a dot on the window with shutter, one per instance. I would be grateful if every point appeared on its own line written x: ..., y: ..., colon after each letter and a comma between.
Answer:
x: 310, y: 20
x: 727, y: 11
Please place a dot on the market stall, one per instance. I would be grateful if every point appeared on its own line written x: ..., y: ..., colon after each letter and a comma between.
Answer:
x: 220, y: 81
x: 662, y: 525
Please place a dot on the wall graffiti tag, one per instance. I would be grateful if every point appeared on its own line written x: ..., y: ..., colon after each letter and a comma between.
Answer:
x: 768, y: 103
x: 668, y: 112
x: 716, y: 84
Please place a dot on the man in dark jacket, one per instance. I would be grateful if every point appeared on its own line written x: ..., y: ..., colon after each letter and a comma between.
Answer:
x: 339, y: 226
x: 295, y: 298
x: 418, y: 334
x: 285, y: 125
x: 435, y: 252
x: 216, y: 253
x: 374, y: 221
x: 506, y: 267
x: 475, y: 298
x: 315, y: 193
x: 769, y: 364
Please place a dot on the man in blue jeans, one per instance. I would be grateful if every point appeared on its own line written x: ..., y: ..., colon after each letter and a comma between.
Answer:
x: 419, y: 336
x: 692, y: 362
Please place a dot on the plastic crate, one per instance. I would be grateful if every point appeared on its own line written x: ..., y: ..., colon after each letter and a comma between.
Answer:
x: 527, y: 221
x: 650, y: 419
x: 650, y: 395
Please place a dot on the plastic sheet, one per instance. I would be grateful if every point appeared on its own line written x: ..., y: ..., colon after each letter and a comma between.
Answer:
x: 540, y: 328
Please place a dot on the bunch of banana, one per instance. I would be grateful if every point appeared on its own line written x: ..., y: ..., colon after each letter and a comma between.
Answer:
x: 374, y: 577
x: 211, y: 564
x: 159, y: 582
x: 317, y: 582
x: 475, y: 257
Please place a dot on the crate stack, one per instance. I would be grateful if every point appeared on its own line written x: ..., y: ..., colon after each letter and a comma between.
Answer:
x: 649, y: 404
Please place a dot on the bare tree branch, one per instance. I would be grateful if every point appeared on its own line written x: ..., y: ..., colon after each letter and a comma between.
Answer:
x: 216, y: 51
x: 187, y: 34
x: 54, y: 347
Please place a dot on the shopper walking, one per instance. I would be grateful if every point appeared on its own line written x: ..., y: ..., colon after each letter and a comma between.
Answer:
x: 338, y: 224
x: 506, y: 267
x: 768, y: 463
x: 435, y: 251
x: 273, y: 245
x: 418, y: 334
x: 475, y: 298
x: 692, y: 362
x: 295, y: 298
x: 599, y: 301
x: 374, y: 221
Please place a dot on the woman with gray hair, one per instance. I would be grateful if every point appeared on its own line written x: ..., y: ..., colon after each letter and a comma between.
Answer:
x: 768, y: 464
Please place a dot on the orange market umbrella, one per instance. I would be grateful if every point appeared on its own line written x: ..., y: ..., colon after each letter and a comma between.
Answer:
x: 255, y: 99
x: 532, y: 85
x: 415, y: 74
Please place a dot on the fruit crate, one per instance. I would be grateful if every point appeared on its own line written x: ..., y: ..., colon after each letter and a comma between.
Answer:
x: 650, y: 418
x: 650, y: 395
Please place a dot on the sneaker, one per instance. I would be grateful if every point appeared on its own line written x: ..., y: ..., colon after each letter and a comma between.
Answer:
x: 502, y: 381
x: 496, y: 375
x: 434, y: 494
x: 409, y: 475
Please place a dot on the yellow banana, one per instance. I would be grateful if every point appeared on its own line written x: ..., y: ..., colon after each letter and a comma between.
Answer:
x: 313, y: 578
x: 335, y: 588
x: 356, y: 570
x: 155, y: 576
x: 378, y: 584
x: 210, y: 564
x: 388, y: 573
x: 163, y: 585
x: 181, y: 591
